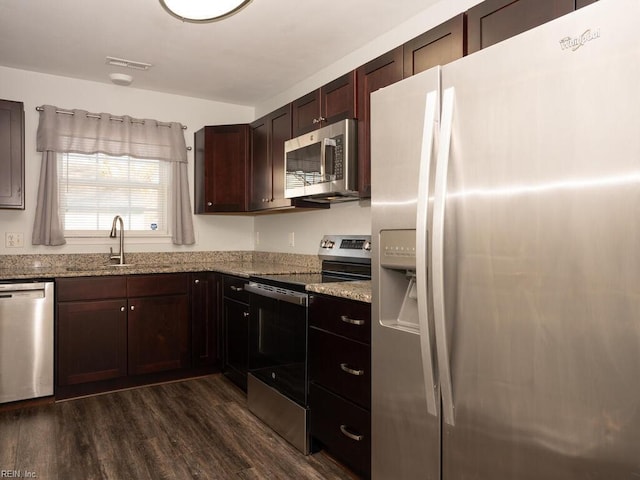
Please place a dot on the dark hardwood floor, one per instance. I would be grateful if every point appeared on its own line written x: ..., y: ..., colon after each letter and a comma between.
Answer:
x: 194, y: 429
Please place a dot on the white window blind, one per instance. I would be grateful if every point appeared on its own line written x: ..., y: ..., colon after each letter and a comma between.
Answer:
x: 92, y: 189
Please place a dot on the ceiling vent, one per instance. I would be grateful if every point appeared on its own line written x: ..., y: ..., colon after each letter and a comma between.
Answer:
x: 121, y: 62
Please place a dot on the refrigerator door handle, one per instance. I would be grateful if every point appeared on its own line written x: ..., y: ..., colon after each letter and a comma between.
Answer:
x: 437, y: 256
x: 421, y: 251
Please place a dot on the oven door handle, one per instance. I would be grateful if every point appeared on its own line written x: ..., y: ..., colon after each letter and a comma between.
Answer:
x: 297, y: 298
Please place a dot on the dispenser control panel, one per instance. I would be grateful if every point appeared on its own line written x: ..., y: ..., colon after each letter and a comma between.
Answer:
x: 398, y: 249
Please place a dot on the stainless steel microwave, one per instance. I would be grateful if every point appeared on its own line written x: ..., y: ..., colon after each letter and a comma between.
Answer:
x: 321, y: 166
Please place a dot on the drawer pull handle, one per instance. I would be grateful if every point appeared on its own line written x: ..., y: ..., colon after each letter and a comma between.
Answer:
x: 352, y: 321
x: 345, y: 368
x: 236, y: 289
x: 348, y: 434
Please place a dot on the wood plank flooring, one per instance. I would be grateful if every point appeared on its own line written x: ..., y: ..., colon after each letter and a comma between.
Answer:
x: 194, y: 429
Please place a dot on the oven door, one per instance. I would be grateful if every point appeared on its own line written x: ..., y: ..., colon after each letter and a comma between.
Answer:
x: 278, y: 340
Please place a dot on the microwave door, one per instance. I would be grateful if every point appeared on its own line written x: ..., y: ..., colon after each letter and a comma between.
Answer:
x: 327, y: 171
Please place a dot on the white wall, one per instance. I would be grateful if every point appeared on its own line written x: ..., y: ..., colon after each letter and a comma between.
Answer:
x: 34, y: 89
x: 273, y: 231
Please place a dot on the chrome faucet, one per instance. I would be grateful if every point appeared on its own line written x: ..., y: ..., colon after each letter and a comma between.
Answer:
x: 120, y: 255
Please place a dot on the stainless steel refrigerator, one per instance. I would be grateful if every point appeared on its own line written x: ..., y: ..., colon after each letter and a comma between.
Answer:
x: 506, y: 260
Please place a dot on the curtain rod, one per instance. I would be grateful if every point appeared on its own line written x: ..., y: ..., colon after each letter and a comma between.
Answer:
x: 118, y: 119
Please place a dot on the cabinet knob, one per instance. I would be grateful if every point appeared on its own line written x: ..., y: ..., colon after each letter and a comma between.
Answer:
x: 316, y: 120
x: 196, y: 281
x: 209, y: 204
x: 133, y: 307
x: 245, y: 314
x: 122, y: 309
x: 321, y: 119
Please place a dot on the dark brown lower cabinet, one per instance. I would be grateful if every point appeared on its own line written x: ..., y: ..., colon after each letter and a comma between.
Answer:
x: 206, y: 301
x: 120, y: 331
x: 340, y: 380
x: 158, y: 334
x: 92, y: 341
x: 342, y: 427
x: 235, y: 330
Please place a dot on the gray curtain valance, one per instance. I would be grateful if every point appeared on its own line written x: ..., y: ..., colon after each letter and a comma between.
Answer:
x: 90, y: 133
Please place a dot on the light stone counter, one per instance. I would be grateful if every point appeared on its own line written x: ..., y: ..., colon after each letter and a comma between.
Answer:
x: 239, y: 263
x: 356, y: 290
x: 243, y: 264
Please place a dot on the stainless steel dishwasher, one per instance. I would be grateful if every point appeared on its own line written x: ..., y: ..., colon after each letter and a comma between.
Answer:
x: 26, y: 340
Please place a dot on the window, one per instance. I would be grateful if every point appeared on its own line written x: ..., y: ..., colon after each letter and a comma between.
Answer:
x: 92, y: 189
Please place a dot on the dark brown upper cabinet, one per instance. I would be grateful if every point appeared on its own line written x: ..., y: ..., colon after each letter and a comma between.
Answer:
x: 378, y: 73
x: 333, y: 102
x: 11, y: 155
x: 492, y: 21
x: 584, y: 3
x: 439, y: 46
x: 221, y: 168
x: 268, y: 135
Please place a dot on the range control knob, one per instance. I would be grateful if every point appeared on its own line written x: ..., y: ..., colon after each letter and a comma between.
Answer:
x: 330, y: 244
x: 367, y: 246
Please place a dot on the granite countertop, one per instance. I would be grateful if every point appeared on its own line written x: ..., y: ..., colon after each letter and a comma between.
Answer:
x: 359, y: 290
x: 242, y: 264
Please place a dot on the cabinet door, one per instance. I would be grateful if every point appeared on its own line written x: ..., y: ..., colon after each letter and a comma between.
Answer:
x: 306, y: 113
x: 236, y: 341
x: 495, y: 20
x: 338, y: 99
x: 221, y: 159
x: 378, y: 73
x: 158, y: 332
x: 260, y: 167
x: 333, y: 102
x: 91, y: 341
x: 438, y: 46
x: 280, y: 125
x: 205, y: 318
x: 11, y: 155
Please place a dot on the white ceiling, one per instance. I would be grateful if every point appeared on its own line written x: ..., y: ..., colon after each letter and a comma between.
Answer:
x: 266, y: 48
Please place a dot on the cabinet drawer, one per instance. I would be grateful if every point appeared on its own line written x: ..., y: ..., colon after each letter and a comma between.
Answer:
x: 157, y: 284
x: 233, y: 287
x: 348, y: 318
x: 90, y: 288
x: 343, y: 428
x: 341, y: 365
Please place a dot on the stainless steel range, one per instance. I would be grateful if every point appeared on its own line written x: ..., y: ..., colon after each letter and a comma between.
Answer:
x: 277, y: 384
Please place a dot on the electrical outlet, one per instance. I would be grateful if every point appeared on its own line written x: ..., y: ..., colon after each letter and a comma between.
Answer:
x: 13, y: 240
x: 292, y: 239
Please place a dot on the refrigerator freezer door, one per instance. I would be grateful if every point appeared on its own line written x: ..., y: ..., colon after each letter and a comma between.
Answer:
x: 405, y: 436
x: 542, y: 253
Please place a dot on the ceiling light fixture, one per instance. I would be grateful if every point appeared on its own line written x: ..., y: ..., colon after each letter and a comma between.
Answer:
x: 199, y: 11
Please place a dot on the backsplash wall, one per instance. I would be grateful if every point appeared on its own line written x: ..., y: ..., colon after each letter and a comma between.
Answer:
x: 272, y: 232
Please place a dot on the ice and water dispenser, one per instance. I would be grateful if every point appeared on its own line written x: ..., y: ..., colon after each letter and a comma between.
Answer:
x: 398, y: 287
